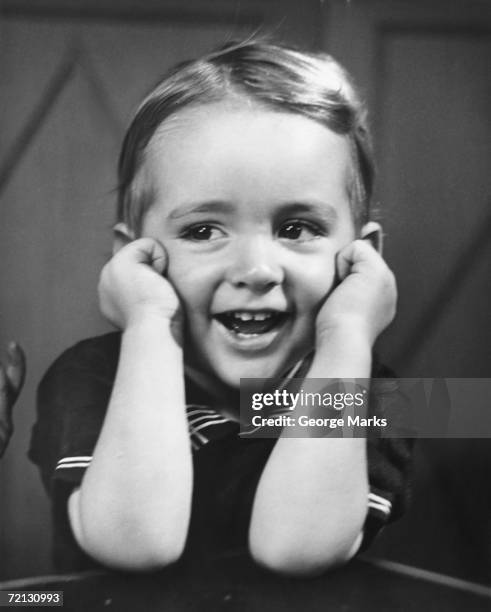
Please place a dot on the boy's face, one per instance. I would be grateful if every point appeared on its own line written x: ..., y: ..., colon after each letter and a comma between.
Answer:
x: 252, y: 207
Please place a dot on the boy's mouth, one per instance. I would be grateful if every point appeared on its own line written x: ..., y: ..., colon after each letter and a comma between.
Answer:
x: 251, y: 323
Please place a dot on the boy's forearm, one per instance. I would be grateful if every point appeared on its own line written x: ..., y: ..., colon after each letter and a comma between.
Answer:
x: 134, y: 503
x: 342, y: 353
x: 311, y: 501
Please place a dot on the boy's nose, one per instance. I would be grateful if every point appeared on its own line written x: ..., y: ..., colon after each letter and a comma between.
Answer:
x: 255, y: 267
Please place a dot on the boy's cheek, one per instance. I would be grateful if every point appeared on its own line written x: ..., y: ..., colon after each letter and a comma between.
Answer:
x: 179, y: 272
x: 318, y: 280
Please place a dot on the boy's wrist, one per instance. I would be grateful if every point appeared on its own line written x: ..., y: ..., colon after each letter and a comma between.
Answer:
x: 151, y: 315
x: 342, y: 351
x: 154, y: 322
x: 350, y: 332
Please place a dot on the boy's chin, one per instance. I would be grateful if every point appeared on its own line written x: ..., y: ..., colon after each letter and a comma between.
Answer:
x: 231, y: 374
x: 229, y: 369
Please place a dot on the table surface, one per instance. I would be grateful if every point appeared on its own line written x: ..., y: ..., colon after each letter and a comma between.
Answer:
x: 234, y: 584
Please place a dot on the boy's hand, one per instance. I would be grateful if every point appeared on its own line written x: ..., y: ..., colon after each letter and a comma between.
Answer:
x: 12, y: 375
x: 131, y: 285
x: 364, y: 301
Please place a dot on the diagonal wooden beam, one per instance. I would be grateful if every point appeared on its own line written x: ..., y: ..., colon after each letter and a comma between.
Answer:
x: 37, y: 118
x: 101, y: 94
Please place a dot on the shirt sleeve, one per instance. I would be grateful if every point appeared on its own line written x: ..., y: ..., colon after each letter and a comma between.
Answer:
x: 389, y: 458
x: 71, y: 405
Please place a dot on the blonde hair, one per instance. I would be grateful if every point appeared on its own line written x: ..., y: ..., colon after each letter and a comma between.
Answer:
x: 275, y: 76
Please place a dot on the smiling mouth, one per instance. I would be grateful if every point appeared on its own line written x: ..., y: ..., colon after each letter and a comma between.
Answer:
x: 251, y: 323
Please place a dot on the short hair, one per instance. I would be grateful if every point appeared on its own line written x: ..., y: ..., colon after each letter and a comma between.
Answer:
x: 276, y: 77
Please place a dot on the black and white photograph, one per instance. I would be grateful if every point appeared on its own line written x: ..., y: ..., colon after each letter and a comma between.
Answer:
x: 245, y: 317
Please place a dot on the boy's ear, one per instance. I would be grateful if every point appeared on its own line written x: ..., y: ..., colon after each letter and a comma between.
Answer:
x: 122, y: 235
x: 372, y: 232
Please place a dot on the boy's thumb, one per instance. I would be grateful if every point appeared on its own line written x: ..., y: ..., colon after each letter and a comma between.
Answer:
x: 343, y: 263
x: 158, y: 257
x: 148, y: 251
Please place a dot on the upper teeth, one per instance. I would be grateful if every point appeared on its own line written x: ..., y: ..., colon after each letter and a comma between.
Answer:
x: 250, y: 316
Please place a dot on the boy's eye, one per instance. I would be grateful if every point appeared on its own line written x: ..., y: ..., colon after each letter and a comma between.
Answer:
x: 202, y: 232
x: 298, y: 230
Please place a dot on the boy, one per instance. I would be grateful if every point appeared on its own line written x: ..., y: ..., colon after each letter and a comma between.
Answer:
x: 242, y: 246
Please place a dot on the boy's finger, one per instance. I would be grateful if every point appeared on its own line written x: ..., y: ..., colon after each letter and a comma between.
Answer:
x: 346, y: 258
x: 159, y: 257
x: 150, y: 251
x: 16, y: 367
x: 343, y: 265
x: 356, y: 252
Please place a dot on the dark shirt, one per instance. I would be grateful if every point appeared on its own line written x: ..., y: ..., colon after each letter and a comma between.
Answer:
x: 72, y: 401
